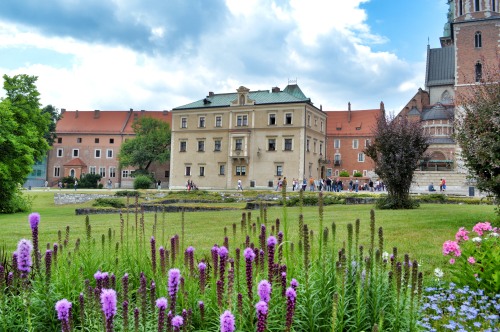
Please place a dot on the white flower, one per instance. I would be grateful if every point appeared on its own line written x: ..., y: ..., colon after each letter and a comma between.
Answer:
x: 385, y: 255
x: 438, y: 273
x: 493, y: 234
x: 476, y: 239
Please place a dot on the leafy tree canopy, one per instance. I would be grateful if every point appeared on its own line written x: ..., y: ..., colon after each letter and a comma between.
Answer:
x: 53, y: 112
x: 22, y: 130
x: 478, y: 129
x: 399, y: 143
x: 151, y: 144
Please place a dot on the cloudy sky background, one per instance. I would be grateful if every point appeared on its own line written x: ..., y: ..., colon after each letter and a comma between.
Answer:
x: 159, y: 54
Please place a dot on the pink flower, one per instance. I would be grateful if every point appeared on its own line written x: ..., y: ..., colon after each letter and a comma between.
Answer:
x: 452, y: 261
x: 471, y: 260
x: 451, y: 247
x: 462, y: 234
x: 482, y: 227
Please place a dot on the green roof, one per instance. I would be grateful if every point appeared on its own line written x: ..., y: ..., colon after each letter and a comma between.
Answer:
x: 291, y: 94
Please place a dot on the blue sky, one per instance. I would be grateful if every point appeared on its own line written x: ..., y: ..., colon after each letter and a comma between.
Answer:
x: 156, y: 55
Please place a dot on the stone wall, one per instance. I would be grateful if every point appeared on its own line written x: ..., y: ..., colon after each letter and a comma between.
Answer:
x: 61, y: 199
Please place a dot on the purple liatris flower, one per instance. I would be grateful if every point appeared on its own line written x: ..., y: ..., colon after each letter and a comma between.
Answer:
x: 161, y: 303
x: 264, y: 290
x: 63, y: 308
x: 177, y: 322
x: 48, y: 265
x: 108, y: 305
x: 271, y: 245
x: 34, y: 219
x: 24, y: 248
x: 163, y: 262
x: 174, y: 276
x: 283, y: 283
x: 291, y: 297
x: 262, y: 309
x: 153, y: 254
x: 227, y: 322
x: 125, y: 286
x: 201, y: 305
x: 294, y: 284
x: 249, y: 257
x: 190, y: 253
x: 215, y: 259
x: 202, y: 267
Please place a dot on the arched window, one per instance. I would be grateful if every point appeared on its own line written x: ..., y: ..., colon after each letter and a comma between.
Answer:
x: 478, y: 42
x: 460, y: 8
x: 479, y: 71
x: 72, y: 173
x: 476, y: 5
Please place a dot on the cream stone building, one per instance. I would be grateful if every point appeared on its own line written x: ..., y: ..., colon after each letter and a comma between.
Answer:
x: 253, y: 136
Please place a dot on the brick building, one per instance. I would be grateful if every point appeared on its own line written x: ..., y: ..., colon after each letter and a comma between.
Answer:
x: 348, y: 133
x: 89, y: 142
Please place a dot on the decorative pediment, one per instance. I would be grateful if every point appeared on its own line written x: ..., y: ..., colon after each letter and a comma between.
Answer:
x: 242, y: 98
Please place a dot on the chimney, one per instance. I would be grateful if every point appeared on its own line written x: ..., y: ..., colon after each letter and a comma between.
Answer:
x: 142, y: 111
x: 211, y: 94
x: 96, y: 114
x: 63, y: 110
x: 76, y: 114
x: 131, y: 110
x: 349, y: 112
x: 382, y: 108
x: 165, y: 112
x: 275, y: 89
x: 321, y: 107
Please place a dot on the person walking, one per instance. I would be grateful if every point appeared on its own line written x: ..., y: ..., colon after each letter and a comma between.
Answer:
x: 76, y: 185
x: 240, y: 187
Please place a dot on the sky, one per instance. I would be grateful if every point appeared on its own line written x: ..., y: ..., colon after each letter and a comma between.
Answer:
x: 159, y: 54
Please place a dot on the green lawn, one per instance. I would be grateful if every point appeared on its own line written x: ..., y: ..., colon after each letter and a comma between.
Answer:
x: 419, y: 232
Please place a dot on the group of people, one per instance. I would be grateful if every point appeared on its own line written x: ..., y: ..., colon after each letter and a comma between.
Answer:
x: 190, y: 185
x: 442, y: 186
x: 331, y: 184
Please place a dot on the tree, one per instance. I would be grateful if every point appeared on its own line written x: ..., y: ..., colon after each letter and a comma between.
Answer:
x: 53, y: 112
x: 151, y: 144
x: 478, y: 129
x: 399, y: 143
x: 22, y: 130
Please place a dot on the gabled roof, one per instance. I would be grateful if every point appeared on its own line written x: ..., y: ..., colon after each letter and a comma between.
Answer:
x: 365, y: 120
x: 163, y: 116
x: 92, y: 122
x: 440, y: 66
x: 291, y: 94
x: 76, y: 162
x: 438, y: 111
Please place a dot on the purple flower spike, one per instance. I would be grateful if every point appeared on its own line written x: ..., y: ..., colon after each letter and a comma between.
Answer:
x: 294, y: 283
x: 291, y: 297
x: 34, y: 219
x: 24, y: 263
x: 272, y: 241
x: 264, y: 290
x: 262, y: 309
x: 161, y: 303
x: 190, y: 250
x: 108, y: 302
x: 174, y: 276
x: 223, y: 252
x: 249, y: 254
x: 63, y: 308
x: 177, y: 322
x: 227, y: 322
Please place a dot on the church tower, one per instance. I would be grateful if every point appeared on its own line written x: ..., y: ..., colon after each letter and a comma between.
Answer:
x: 476, y: 36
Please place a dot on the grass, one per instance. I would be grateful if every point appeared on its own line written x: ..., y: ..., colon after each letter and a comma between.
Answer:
x: 419, y: 232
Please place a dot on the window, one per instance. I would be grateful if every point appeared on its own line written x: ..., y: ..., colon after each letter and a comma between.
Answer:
x: 217, y: 145
x: 478, y: 40
x: 308, y: 120
x: 367, y: 142
x: 315, y: 121
x: 288, y: 144
x: 109, y: 153
x: 111, y: 141
x: 272, y: 119
x: 365, y: 172
x: 201, y: 122
x: 92, y: 170
x: 59, y: 140
x: 102, y: 171
x: 336, y: 144
x: 271, y: 144
x: 355, y: 143
x: 57, y: 171
x: 337, y: 172
x: 336, y: 160
x: 218, y: 121
x: 242, y: 120
x: 476, y: 5
x: 60, y: 152
x: 97, y: 153
x: 288, y: 118
x: 493, y: 5
x: 222, y: 169
x: 238, y: 144
x: 460, y: 8
x: 202, y: 170
x: 479, y: 71
x: 184, y: 123
x: 279, y: 170
x: 112, y: 172
x: 307, y: 145
x: 321, y: 126
x: 188, y: 171
x: 314, y: 147
x: 201, y: 146
x: 328, y: 172
x: 182, y: 147
x: 354, y: 171
x: 125, y: 173
x: 167, y: 174
x: 241, y: 170
x: 76, y: 153
x: 361, y: 157
x: 320, y: 148
x: 96, y: 140
x: 79, y: 140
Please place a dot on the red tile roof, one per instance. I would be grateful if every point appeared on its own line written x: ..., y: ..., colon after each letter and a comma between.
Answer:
x: 365, y: 120
x: 75, y: 162
x: 164, y: 116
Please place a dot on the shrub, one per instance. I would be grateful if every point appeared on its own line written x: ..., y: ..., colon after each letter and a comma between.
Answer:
x: 475, y: 258
x: 358, y: 175
x: 390, y: 203
x: 106, y: 202
x: 125, y: 193
x: 142, y: 182
x: 344, y: 174
x: 89, y: 181
x: 68, y: 181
